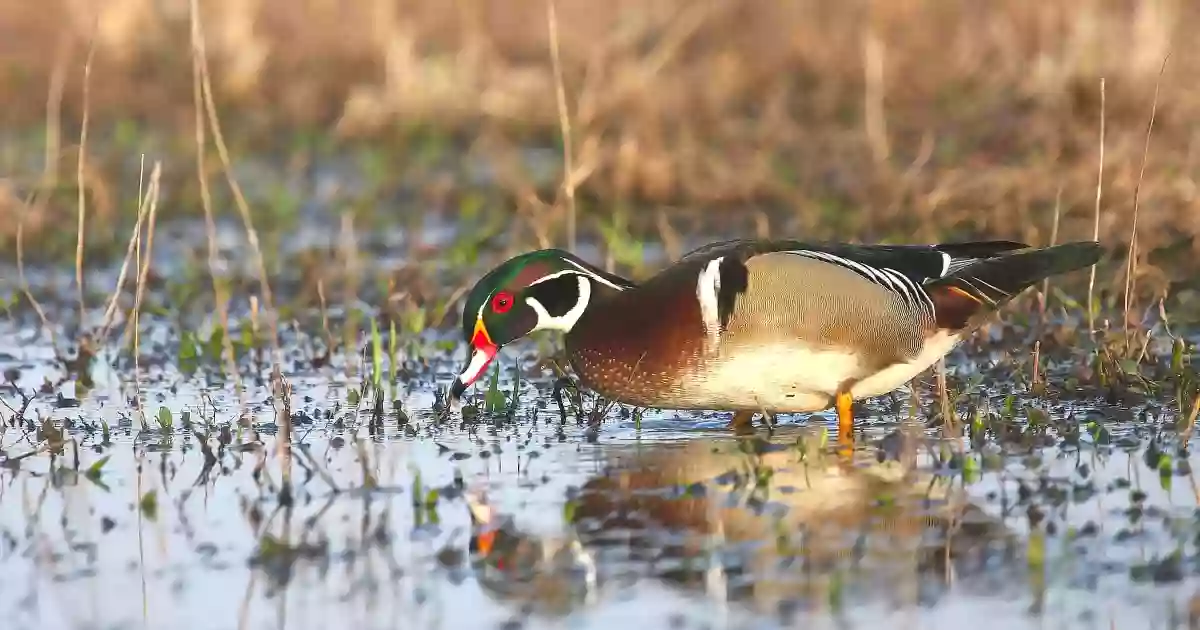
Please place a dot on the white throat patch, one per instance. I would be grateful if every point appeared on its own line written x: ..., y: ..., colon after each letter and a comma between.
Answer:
x: 708, y: 286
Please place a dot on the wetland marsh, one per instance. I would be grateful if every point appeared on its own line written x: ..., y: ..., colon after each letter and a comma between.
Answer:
x: 230, y: 300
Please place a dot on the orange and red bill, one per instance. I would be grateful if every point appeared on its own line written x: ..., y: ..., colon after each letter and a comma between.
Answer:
x: 482, y: 353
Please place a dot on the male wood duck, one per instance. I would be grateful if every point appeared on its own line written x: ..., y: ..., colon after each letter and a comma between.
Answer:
x: 754, y: 326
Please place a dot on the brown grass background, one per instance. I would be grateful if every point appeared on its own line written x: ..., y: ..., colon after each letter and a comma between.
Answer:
x: 923, y: 118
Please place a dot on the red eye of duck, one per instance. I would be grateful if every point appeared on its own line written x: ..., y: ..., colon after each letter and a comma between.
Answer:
x: 502, y: 302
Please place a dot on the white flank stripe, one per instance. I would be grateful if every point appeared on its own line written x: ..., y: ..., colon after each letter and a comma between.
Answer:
x: 708, y: 284
x: 869, y: 272
x: 900, y: 283
x: 887, y: 278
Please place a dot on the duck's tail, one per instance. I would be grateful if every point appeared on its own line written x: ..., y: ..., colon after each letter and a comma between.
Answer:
x: 986, y: 285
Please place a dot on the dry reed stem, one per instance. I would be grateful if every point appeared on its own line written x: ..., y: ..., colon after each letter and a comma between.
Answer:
x: 564, y: 122
x: 132, y: 328
x: 243, y: 206
x: 80, y: 165
x: 54, y: 98
x: 449, y: 305
x: 329, y: 343
x: 1045, y: 298
x: 875, y: 121
x: 1191, y: 421
x: 1037, y: 363
x: 210, y: 226
x: 25, y: 290
x: 1096, y: 222
x: 152, y: 196
x: 1131, y: 258
x: 348, y: 251
x: 281, y: 391
x: 949, y: 421
x: 110, y: 310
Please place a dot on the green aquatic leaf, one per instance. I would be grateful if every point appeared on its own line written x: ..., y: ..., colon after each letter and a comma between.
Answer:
x: 516, y: 391
x: 189, y: 352
x: 149, y: 504
x: 376, y: 354
x: 215, y: 344
x: 247, y: 341
x: 970, y: 470
x: 493, y: 400
x: 1130, y: 367
x: 165, y: 420
x: 95, y: 470
x: 1177, y: 349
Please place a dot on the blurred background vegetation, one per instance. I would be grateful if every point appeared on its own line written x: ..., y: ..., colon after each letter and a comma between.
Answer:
x: 894, y: 120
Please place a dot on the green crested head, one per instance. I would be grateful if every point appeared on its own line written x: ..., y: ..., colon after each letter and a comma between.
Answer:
x: 547, y: 289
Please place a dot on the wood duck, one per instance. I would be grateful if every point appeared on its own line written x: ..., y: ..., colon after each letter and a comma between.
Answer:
x: 754, y: 326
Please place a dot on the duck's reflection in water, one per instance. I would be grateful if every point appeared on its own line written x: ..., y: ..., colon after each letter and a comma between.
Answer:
x: 764, y: 525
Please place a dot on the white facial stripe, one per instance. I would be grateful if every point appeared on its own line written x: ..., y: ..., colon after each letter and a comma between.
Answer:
x: 556, y: 274
x: 479, y: 363
x: 565, y: 322
x: 708, y: 285
x: 946, y: 259
x: 590, y: 274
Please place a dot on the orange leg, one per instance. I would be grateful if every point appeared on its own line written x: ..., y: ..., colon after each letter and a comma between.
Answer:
x: 845, y: 411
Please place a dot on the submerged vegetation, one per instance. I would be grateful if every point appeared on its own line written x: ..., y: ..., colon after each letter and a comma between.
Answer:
x: 236, y: 237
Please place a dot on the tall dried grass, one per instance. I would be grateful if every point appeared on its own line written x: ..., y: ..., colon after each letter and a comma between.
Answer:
x: 926, y: 116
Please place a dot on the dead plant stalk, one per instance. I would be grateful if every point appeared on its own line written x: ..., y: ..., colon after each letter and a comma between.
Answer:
x: 25, y: 289
x: 1053, y: 241
x: 142, y: 262
x: 1091, y: 304
x: 949, y: 421
x: 80, y: 165
x: 214, y: 260
x: 147, y: 206
x: 214, y: 124
x: 110, y: 310
x: 1131, y: 258
x: 564, y: 122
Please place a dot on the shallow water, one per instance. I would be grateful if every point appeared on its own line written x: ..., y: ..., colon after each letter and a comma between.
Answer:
x: 670, y: 523
x: 519, y: 520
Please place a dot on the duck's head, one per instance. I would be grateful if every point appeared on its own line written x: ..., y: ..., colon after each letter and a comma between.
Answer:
x: 547, y: 289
